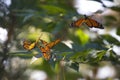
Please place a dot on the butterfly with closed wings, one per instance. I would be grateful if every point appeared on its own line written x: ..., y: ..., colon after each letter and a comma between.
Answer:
x: 29, y: 45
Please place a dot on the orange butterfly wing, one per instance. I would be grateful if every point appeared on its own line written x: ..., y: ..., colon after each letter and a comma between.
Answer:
x: 93, y: 23
x: 52, y: 44
x: 78, y: 22
x: 28, y: 45
x: 46, y: 52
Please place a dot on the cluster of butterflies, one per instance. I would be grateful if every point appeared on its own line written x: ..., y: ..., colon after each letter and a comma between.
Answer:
x: 42, y: 45
x: 45, y: 47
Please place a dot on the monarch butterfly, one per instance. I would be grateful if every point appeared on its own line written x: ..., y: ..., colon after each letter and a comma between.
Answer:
x: 28, y: 45
x: 45, y: 48
x: 88, y: 21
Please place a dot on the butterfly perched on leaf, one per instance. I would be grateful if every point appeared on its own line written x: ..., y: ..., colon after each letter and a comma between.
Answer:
x: 88, y: 21
x: 29, y: 45
x: 45, y: 48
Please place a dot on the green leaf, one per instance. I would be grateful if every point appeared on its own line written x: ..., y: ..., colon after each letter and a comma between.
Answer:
x: 110, y: 20
x: 80, y: 56
x: 116, y: 8
x: 25, y: 55
x: 62, y: 48
x: 82, y: 36
x: 110, y: 39
x: 100, y: 55
x: 96, y: 56
x: 51, y: 9
x: 75, y: 66
x: 118, y: 31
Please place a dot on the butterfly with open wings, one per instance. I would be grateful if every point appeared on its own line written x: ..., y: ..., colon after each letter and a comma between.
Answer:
x: 88, y: 21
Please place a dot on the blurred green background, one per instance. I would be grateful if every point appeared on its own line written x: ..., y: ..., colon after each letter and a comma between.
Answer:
x: 79, y: 56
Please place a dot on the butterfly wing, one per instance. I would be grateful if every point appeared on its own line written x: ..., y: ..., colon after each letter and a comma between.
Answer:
x: 44, y: 49
x: 52, y: 44
x: 93, y: 23
x: 28, y: 45
x: 46, y: 52
x: 78, y: 22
